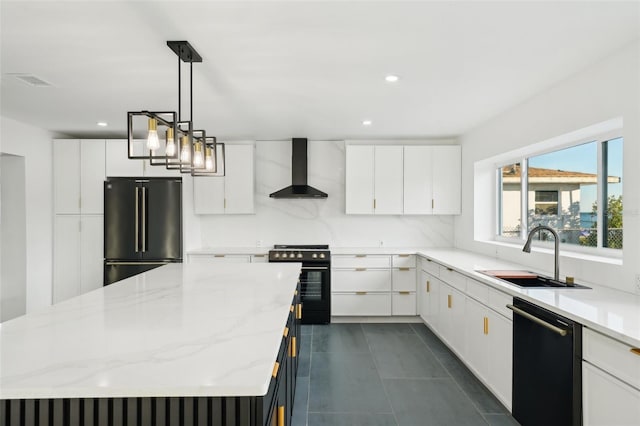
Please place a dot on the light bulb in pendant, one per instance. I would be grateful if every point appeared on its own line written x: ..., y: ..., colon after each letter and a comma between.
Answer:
x: 198, y: 156
x: 208, y: 159
x: 170, y: 147
x: 185, y: 152
x: 153, y: 142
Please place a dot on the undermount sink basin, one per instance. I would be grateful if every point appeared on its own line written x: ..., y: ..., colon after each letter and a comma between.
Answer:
x: 526, y: 279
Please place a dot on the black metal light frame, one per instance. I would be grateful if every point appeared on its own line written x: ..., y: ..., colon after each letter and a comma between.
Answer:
x: 218, y: 162
x: 165, y: 119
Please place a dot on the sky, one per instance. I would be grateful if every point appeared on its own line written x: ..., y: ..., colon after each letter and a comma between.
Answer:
x: 583, y: 158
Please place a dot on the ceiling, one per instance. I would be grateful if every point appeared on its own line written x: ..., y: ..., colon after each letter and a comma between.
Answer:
x: 274, y: 70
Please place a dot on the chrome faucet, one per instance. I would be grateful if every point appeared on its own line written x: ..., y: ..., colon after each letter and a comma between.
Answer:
x: 527, y: 247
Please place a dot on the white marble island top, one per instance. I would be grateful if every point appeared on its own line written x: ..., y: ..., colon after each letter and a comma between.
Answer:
x: 178, y: 330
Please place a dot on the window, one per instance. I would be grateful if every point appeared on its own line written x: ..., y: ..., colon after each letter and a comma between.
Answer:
x: 563, y: 190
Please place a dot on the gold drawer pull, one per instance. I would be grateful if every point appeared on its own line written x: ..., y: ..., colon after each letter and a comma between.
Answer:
x: 293, y: 347
x: 429, y: 260
x: 361, y: 255
x: 291, y: 308
x: 635, y: 351
x: 403, y: 255
x: 299, y: 311
x: 428, y: 287
x: 404, y: 269
x: 286, y: 332
x: 281, y: 415
x: 361, y: 293
x: 450, y: 269
x: 276, y: 367
x: 295, y: 293
x: 258, y: 255
x: 449, y: 301
x: 404, y: 292
x: 361, y: 269
x: 486, y: 325
x: 218, y: 255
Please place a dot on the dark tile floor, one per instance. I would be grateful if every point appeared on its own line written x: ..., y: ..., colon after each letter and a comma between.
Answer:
x: 387, y: 375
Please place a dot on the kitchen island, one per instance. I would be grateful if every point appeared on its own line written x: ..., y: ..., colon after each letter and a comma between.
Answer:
x: 181, y: 344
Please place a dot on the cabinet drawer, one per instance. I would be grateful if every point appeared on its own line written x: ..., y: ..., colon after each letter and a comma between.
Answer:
x: 369, y: 304
x: 403, y: 279
x: 607, y: 400
x: 498, y: 302
x: 403, y: 260
x: 478, y: 291
x: 403, y: 303
x: 361, y: 280
x: 612, y: 356
x: 215, y: 258
x: 259, y: 258
x: 361, y: 261
x: 453, y: 278
x: 430, y: 266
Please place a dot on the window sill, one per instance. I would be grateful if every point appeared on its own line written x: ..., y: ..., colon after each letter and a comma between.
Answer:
x: 600, y: 258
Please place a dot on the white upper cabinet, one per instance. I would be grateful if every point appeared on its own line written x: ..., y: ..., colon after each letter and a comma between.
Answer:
x: 359, y: 179
x: 388, y: 180
x: 233, y: 193
x: 118, y: 162
x: 432, y: 179
x: 373, y: 181
x: 446, y: 179
x: 411, y: 179
x: 79, y: 170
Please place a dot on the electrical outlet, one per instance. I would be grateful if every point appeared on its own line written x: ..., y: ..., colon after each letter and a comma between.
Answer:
x: 258, y: 243
x: 381, y: 243
x: 638, y: 283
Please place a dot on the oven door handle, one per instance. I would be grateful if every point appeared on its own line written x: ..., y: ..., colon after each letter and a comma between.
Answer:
x: 315, y: 268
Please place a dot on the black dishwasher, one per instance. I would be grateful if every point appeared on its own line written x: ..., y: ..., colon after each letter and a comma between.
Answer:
x: 547, y: 367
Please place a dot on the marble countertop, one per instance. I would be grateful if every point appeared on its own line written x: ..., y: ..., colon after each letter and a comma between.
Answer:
x: 230, y: 250
x: 178, y: 330
x: 611, y: 312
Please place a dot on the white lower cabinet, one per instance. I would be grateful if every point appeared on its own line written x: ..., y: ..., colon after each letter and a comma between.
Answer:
x: 361, y: 304
x: 500, y: 344
x: 403, y: 303
x: 429, y: 302
x: 451, y: 317
x: 361, y: 279
x: 607, y: 400
x: 77, y: 256
x: 610, y: 381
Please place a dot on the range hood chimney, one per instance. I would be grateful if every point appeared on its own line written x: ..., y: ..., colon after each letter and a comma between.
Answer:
x: 299, y: 187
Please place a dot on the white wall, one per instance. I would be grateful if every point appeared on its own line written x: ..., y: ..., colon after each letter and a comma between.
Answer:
x: 603, y: 91
x: 319, y: 221
x: 35, y: 146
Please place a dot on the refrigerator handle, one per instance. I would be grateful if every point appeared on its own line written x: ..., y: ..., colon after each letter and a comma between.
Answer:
x: 136, y: 220
x: 144, y: 219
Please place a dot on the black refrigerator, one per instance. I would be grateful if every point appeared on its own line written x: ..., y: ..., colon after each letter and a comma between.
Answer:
x: 142, y: 225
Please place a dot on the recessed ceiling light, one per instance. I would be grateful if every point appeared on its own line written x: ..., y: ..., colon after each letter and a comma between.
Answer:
x: 102, y: 123
x: 391, y: 78
x: 367, y: 122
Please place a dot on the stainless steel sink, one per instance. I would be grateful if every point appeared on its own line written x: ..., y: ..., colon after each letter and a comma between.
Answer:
x: 526, y: 279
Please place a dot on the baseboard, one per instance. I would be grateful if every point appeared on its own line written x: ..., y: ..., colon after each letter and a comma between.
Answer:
x: 403, y: 319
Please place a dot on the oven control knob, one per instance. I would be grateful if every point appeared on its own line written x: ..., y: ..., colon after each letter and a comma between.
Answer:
x: 284, y: 255
x: 276, y: 255
x: 322, y: 256
x: 314, y: 256
x: 299, y: 256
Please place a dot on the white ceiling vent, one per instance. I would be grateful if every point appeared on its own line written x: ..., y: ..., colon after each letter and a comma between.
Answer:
x: 32, y: 80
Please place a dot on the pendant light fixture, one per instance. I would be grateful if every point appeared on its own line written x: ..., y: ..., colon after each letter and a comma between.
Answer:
x: 183, y: 149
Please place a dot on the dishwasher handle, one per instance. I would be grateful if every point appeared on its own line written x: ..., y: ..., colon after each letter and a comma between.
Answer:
x: 537, y: 320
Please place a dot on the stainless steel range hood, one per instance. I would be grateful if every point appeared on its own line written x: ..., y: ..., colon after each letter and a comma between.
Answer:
x: 299, y: 187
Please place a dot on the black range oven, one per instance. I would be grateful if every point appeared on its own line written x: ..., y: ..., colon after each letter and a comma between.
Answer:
x: 315, y: 278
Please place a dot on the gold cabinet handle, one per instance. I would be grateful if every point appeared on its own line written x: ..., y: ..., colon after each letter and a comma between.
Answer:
x: 286, y: 332
x: 361, y: 269
x: 218, y: 255
x: 433, y: 204
x: 486, y: 325
x: 258, y: 255
x: 449, y: 301
x: 281, y: 415
x: 225, y: 203
x: 429, y: 260
x: 374, y: 203
x: 404, y: 269
x: 428, y: 286
x: 404, y: 292
x: 291, y: 308
x: 361, y: 255
x: 361, y: 293
x: 295, y: 293
x: 449, y: 269
x: 299, y: 311
x: 276, y: 367
x: 403, y: 255
x: 635, y: 351
x: 293, y: 347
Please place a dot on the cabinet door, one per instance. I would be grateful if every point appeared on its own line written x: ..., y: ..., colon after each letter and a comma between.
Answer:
x: 451, y: 317
x: 403, y: 279
x: 359, y: 179
x: 91, y: 252
x: 208, y: 195
x: 118, y: 163
x: 476, y: 338
x: 417, y: 179
x: 388, y: 179
x: 92, y: 176
x: 66, y: 176
x: 446, y: 180
x: 66, y: 257
x: 429, y: 288
x: 607, y: 400
x: 403, y: 303
x: 500, y: 347
x: 238, y: 181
